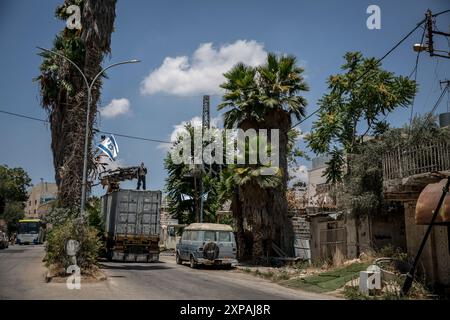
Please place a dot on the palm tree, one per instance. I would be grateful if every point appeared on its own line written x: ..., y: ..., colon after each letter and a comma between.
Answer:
x: 265, y: 97
x: 64, y: 95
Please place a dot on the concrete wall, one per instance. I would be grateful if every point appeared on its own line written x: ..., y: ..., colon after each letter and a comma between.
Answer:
x: 388, y: 229
x: 358, y: 236
x: 365, y: 234
x: 435, y: 258
x: 314, y: 178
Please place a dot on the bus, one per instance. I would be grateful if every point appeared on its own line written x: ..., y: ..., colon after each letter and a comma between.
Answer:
x: 31, y: 231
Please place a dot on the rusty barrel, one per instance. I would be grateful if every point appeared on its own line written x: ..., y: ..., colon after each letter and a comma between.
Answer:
x: 427, y: 202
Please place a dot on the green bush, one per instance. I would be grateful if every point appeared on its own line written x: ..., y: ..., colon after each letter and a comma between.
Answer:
x: 72, y: 229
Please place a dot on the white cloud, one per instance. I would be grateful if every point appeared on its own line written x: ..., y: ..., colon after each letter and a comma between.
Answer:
x: 115, y: 108
x: 301, y: 134
x: 203, y: 72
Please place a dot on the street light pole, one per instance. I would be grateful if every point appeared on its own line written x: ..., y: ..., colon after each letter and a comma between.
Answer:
x: 86, y: 136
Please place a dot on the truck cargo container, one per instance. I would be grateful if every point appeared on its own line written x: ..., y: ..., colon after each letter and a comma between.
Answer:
x: 132, y: 225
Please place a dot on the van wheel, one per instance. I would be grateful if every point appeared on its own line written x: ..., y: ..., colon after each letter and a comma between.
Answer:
x: 178, y: 259
x: 192, y: 263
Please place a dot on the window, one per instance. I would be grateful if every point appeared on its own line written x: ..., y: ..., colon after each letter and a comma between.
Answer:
x: 224, y: 236
x: 28, y: 227
x: 210, y: 236
x: 194, y: 236
x: 171, y: 231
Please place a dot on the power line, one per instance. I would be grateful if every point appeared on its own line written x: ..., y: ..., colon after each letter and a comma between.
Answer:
x: 134, y: 137
x: 23, y: 116
x: 99, y: 131
x: 440, y: 98
x: 435, y: 106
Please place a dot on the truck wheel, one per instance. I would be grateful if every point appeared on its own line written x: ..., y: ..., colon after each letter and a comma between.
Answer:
x: 178, y: 259
x: 192, y: 263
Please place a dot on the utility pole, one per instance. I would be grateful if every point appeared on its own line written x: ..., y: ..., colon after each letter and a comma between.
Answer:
x: 429, y: 26
x: 206, y: 118
x: 430, y: 34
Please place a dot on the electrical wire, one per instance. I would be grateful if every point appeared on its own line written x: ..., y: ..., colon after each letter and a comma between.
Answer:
x: 439, y: 99
x: 99, y: 131
x: 381, y: 59
x: 435, y: 106
x: 301, y: 121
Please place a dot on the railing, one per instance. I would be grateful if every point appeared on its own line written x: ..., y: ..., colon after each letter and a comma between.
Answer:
x: 405, y: 162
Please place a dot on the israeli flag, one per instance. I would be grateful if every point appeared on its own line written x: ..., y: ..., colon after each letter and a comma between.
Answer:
x: 109, y: 147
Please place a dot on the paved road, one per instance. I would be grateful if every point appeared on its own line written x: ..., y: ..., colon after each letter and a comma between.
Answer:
x: 22, y: 277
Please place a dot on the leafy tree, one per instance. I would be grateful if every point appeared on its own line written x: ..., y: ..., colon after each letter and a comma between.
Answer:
x: 182, y: 180
x: 13, y: 193
x: 14, y: 211
x: 354, y: 107
x: 365, y: 184
x: 264, y: 97
x: 94, y: 213
x: 63, y: 92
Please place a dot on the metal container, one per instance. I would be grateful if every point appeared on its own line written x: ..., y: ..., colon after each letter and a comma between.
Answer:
x: 132, y: 212
x: 427, y: 202
x: 132, y: 224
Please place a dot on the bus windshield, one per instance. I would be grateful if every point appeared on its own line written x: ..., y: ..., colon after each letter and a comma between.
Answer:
x: 28, y: 227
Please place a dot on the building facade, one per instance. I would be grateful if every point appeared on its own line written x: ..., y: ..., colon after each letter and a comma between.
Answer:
x: 406, y: 173
x: 39, y: 200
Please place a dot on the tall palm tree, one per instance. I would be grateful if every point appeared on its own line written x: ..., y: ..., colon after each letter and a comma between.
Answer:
x: 265, y: 97
x: 64, y: 94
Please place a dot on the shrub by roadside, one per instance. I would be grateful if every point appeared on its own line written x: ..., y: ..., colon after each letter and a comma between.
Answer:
x: 71, y: 228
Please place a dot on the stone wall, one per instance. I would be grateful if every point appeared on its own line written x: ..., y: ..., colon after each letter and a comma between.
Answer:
x: 435, y: 258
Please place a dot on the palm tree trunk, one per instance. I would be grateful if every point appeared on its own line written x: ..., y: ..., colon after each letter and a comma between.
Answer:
x: 238, y: 218
x: 282, y: 230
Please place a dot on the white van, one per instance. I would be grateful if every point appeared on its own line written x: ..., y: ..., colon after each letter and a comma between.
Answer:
x: 207, y: 243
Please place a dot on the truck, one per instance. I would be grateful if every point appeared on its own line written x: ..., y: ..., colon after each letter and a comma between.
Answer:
x: 132, y: 225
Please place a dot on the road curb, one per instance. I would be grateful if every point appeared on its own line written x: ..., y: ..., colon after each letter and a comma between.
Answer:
x: 97, y: 276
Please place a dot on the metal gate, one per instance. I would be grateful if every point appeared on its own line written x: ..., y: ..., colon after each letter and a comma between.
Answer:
x: 302, y: 235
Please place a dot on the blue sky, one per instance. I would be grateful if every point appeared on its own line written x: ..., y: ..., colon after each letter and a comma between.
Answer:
x: 317, y: 32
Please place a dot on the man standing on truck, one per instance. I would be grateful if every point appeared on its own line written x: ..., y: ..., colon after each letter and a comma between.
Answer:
x: 141, y: 172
